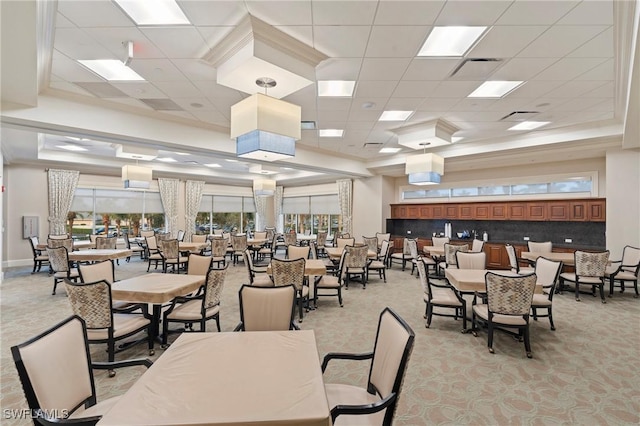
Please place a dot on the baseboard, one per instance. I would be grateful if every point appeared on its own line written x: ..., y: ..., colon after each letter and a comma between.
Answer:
x: 16, y: 263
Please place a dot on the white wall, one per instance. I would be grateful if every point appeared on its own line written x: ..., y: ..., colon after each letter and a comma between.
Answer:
x: 371, y: 199
x: 2, y: 215
x: 623, y: 200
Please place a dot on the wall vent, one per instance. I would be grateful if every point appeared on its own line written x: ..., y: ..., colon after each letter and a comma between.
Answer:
x: 520, y: 116
x: 372, y: 145
x: 162, y: 104
x: 475, y: 68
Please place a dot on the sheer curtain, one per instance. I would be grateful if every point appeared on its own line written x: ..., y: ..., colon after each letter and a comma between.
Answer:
x: 345, y: 197
x: 193, y: 196
x: 62, y: 187
x: 169, y: 197
x: 277, y: 207
x: 261, y: 211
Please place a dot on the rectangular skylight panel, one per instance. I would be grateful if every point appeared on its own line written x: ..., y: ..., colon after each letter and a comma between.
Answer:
x: 336, y: 88
x: 395, y: 115
x: 331, y: 133
x: 70, y: 147
x: 529, y: 125
x: 111, y: 70
x: 155, y: 12
x: 389, y: 150
x: 450, y: 41
x: 495, y: 89
x: 167, y: 159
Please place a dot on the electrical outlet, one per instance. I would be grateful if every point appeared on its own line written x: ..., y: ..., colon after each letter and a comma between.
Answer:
x: 526, y: 238
x: 409, y: 232
x: 568, y: 240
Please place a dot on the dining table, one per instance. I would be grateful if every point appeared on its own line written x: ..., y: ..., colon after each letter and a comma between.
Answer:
x: 565, y: 258
x: 470, y: 281
x: 334, y: 253
x: 230, y: 378
x: 155, y: 289
x: 312, y: 268
x: 192, y: 247
x: 99, y: 255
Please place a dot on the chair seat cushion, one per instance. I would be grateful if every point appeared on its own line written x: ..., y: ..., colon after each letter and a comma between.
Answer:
x: 98, y: 409
x: 625, y: 276
x: 401, y: 256
x: 338, y: 394
x: 42, y: 257
x: 181, y: 259
x: 262, y: 280
x: 570, y: 276
x: 540, y: 300
x: 483, y: 312
x: 526, y: 270
x: 155, y: 256
x: 191, y: 310
x: 377, y: 264
x: 444, y: 296
x: 73, y: 273
x: 123, y: 325
x: 328, y: 281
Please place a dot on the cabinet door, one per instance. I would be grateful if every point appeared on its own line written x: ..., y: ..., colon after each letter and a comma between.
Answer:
x: 494, y: 255
x: 467, y: 211
x: 402, y: 212
x: 426, y: 212
x: 536, y: 211
x: 482, y: 212
x: 558, y: 210
x: 597, y: 211
x: 451, y: 211
x: 395, y: 212
x: 517, y: 211
x: 578, y: 210
x: 498, y: 211
x: 438, y: 211
x: 413, y: 212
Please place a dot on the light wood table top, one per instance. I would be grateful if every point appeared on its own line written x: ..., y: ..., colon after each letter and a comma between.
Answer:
x: 433, y: 250
x: 217, y: 379
x: 155, y: 288
x: 256, y: 241
x: 99, y: 255
x: 565, y: 258
x: 336, y: 252
x: 187, y: 246
x: 311, y: 267
x: 472, y: 280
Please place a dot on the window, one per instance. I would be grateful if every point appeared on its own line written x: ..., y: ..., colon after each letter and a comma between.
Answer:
x: 312, y: 214
x: 229, y: 214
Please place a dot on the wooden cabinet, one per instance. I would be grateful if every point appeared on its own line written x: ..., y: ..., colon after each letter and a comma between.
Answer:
x: 468, y: 211
x: 558, y: 210
x: 413, y: 212
x: 497, y: 257
x: 517, y: 211
x: 451, y: 211
x: 596, y: 210
x: 578, y: 211
x: 498, y: 211
x: 536, y: 211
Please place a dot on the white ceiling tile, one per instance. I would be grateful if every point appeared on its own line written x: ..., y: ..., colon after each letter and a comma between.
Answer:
x: 181, y: 114
x: 305, y: 97
x: 455, y: 89
x: 62, y: 22
x: 343, y: 13
x: 334, y: 104
x: 375, y: 89
x: 420, y: 116
x: 603, y: 91
x: 214, y: 35
x: 195, y: 104
x: 403, y: 104
x: 430, y: 69
x: 505, y: 41
x: 471, y: 12
x: 414, y: 89
x: 534, y: 89
x: 77, y: 44
x: 177, y: 42
x: 69, y: 87
x: 395, y: 41
x: 195, y: 69
x: 330, y: 115
x: 364, y: 115
x: 383, y: 69
x: 157, y: 70
x: 303, y: 34
x: 140, y: 90
x: 282, y: 12
x: 72, y: 71
x: 407, y: 12
x: 573, y: 89
x: 559, y: 41
x: 213, y: 117
x: 531, y: 12
x: 578, y: 104
x: 591, y: 12
x: 213, y: 90
x: 95, y: 13
x: 339, y: 69
x: 509, y: 104
x: 522, y: 69
x: 437, y: 104
x: 178, y: 89
x: 359, y: 126
x: 601, y: 46
x: 331, y: 40
x: 605, y: 105
x: 370, y: 103
x: 472, y: 104
x: 112, y: 38
x: 568, y: 68
x: 212, y: 13
x: 131, y: 102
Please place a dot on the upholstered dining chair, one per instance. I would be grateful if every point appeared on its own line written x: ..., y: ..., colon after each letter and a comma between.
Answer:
x: 514, y: 262
x: 257, y: 274
x: 56, y: 373
x: 321, y: 241
x: 291, y: 271
x: 404, y: 256
x: 298, y: 252
x: 40, y: 257
x: 380, y: 263
x: 198, y: 264
x: 625, y: 270
x: 171, y: 256
x: 440, y: 296
x: 508, y: 303
x: 356, y: 265
x: 450, y: 251
x: 290, y: 239
x: 219, y: 251
x: 105, y: 270
x: 199, y: 308
x: 266, y: 308
x: 547, y: 273
x: 589, y: 269
x: 376, y: 403
x: 92, y: 302
x: 238, y: 246
x: 60, y: 265
x: 60, y: 242
x: 135, y: 248
x: 371, y: 243
x: 153, y: 252
x: 477, y: 245
x: 539, y: 247
x: 108, y: 243
x: 331, y: 284
x: 469, y: 260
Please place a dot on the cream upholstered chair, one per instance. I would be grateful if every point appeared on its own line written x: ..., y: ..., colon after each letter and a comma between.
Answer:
x: 60, y: 242
x: 291, y: 271
x: 60, y: 355
x: 374, y: 404
x: 371, y: 243
x: 341, y: 242
x: 380, y: 264
x: 540, y: 247
x: 298, y: 252
x: 238, y: 246
x: 198, y: 264
x: 382, y: 237
x: 321, y: 240
x: 135, y: 248
x: 105, y: 270
x: 266, y: 308
x: 469, y: 260
x: 106, y: 243
x: 508, y: 305
x: 153, y: 251
x: 268, y: 249
x: 450, y: 251
x: 199, y: 238
x: 260, y: 235
x: 477, y: 245
x: 219, y: 251
x: 171, y: 256
x: 147, y: 233
x: 60, y: 265
x: 515, y: 263
x: 198, y: 308
x: 40, y: 257
x: 547, y: 273
x: 290, y: 239
x: 180, y: 236
x: 92, y: 302
x: 625, y: 270
x: 257, y: 274
x: 440, y: 296
x: 589, y: 269
x: 356, y: 265
x: 404, y: 256
x: 331, y: 282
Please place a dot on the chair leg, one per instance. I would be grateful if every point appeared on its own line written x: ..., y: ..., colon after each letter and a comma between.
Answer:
x: 527, y: 343
x: 340, y: 296
x: 111, y: 350
x: 490, y: 337
x: 553, y: 327
x: 218, y: 322
x: 55, y: 284
x: 601, y: 287
x: 577, y: 291
x: 429, y: 315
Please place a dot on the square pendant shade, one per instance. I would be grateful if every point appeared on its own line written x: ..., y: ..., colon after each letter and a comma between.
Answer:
x: 137, y: 177
x: 429, y: 133
x: 264, y: 187
x: 265, y: 128
x: 424, y: 169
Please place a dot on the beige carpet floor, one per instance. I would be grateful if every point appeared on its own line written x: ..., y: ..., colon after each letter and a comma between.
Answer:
x: 587, y: 372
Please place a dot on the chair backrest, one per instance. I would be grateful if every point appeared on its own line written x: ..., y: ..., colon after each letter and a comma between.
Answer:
x: 57, y: 355
x: 267, y: 308
x: 91, y: 272
x: 393, y: 347
x: 170, y: 249
x: 106, y: 242
x: 313, y: 250
x: 58, y: 259
x: 198, y: 264
x: 297, y: 252
x: 218, y: 232
x: 163, y: 236
x: 382, y: 237
x: 513, y: 258
x: 469, y: 260
x: 152, y: 243
x: 477, y: 245
x: 591, y: 264
x: 547, y: 272
x: 148, y: 233
x: 213, y: 287
x: 270, y: 232
x: 322, y: 238
x: 195, y: 238
x: 510, y: 295
x: 439, y: 241
x: 344, y: 235
x: 33, y: 240
x: 630, y: 259
x: 180, y: 236
x: 260, y: 235
x: 450, y: 252
x: 290, y: 238
x: 61, y: 242
x: 248, y: 262
x: 127, y: 243
x: 540, y: 247
x: 58, y: 237
x: 371, y: 242
x: 341, y: 242
x: 412, y: 245
x: 219, y: 247
x: 239, y: 243
x: 91, y: 302
x: 288, y: 271
x: 356, y: 256
x: 92, y: 237
x: 424, y: 276
x: 385, y: 250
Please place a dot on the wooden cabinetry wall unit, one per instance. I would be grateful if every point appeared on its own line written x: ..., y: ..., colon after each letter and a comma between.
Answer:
x: 591, y: 209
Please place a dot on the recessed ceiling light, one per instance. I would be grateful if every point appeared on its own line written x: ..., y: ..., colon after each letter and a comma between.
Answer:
x: 231, y: 160
x: 111, y: 69
x: 336, y: 88
x: 181, y: 153
x: 167, y: 159
x: 389, y: 150
x: 395, y: 115
x: 72, y: 147
x: 213, y: 165
x: 495, y: 89
x: 156, y: 12
x: 73, y: 138
x: 368, y: 105
x: 450, y: 41
x: 331, y: 133
x: 529, y: 125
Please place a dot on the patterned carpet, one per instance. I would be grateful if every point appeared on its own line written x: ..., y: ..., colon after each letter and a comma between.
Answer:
x: 586, y: 372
